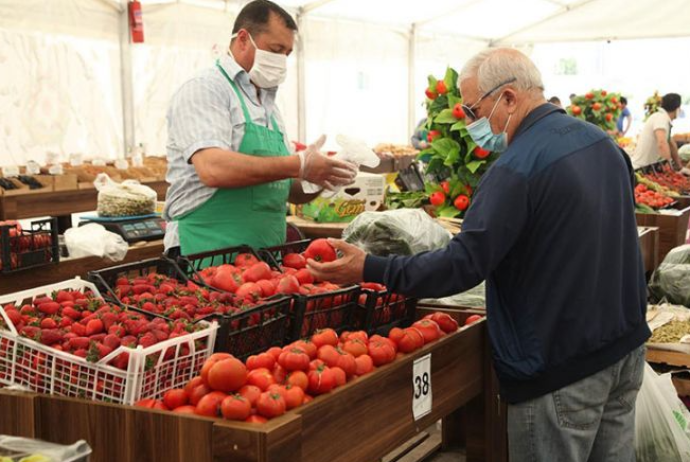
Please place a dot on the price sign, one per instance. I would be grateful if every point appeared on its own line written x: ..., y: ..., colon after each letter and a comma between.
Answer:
x: 421, y: 387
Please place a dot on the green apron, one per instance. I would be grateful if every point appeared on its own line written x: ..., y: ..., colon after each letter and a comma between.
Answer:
x: 254, y: 215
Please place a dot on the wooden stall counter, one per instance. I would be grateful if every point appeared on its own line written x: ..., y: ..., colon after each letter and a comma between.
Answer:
x: 69, y: 268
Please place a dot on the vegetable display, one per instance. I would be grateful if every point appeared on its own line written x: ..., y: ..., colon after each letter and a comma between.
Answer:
x: 598, y: 107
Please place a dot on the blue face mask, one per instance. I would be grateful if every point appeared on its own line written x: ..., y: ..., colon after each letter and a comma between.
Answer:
x: 481, y: 133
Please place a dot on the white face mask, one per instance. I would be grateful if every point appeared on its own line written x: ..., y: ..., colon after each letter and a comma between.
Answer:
x: 269, y: 69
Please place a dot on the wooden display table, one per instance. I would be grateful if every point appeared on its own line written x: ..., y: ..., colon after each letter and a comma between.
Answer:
x: 314, y: 230
x: 361, y: 421
x: 68, y: 269
x: 673, y: 228
x: 649, y: 246
x: 671, y: 358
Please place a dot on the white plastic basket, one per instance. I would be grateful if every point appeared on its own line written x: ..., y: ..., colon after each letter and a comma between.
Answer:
x: 150, y: 372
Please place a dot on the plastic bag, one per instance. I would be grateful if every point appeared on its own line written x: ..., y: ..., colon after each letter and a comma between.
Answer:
x: 351, y: 150
x: 19, y: 448
x: 94, y: 240
x: 129, y: 198
x: 671, y: 280
x: 473, y: 298
x: 396, y: 232
x: 661, y: 421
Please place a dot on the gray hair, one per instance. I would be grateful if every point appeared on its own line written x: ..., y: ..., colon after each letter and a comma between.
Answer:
x: 494, y: 66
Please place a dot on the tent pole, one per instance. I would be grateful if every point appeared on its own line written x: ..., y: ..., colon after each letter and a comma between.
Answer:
x: 126, y: 84
x: 411, y: 77
x: 301, y: 75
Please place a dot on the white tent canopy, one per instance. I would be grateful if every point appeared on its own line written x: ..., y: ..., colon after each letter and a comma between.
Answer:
x: 72, y: 82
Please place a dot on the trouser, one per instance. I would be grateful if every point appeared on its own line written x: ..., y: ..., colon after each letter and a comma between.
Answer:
x: 592, y: 420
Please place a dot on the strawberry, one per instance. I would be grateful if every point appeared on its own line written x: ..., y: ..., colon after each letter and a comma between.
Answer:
x: 147, y: 340
x: 64, y: 296
x: 48, y: 323
x: 79, y: 329
x: 117, y: 330
x: 51, y: 336
x: 79, y: 343
x: 71, y: 313
x: 94, y: 326
x: 81, y: 353
x: 14, y: 316
x: 49, y: 308
x: 111, y: 341
x: 129, y: 341
x: 108, y: 320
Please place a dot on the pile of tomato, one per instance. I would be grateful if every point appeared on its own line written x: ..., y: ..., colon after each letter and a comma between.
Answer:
x: 672, y: 180
x: 271, y: 383
x: 646, y: 196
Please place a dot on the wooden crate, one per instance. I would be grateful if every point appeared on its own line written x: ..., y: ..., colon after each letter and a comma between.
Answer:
x: 649, y: 246
x: 673, y: 229
x: 17, y: 411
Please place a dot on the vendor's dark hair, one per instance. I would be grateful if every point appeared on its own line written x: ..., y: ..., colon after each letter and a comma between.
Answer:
x: 624, y: 100
x: 255, y: 15
x: 670, y: 102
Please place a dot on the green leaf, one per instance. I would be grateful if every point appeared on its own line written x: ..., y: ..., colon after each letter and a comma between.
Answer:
x: 432, y: 82
x: 474, y: 165
x: 452, y: 158
x: 445, y: 117
x: 431, y: 188
x: 453, y: 100
x: 451, y: 79
x: 460, y: 126
x: 435, y: 165
x: 447, y: 211
x: 444, y: 146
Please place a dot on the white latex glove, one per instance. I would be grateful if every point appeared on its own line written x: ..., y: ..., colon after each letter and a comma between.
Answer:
x: 323, y: 171
x: 685, y: 171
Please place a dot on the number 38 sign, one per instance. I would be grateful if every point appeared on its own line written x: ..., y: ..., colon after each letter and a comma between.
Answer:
x: 421, y: 386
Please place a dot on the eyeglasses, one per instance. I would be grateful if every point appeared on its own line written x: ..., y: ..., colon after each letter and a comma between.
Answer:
x: 469, y: 110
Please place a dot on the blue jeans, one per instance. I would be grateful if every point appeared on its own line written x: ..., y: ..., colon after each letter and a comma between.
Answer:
x: 592, y: 420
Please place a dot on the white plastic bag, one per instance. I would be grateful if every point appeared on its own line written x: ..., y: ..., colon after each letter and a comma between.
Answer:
x: 661, y: 421
x: 94, y: 240
x: 51, y: 452
x: 129, y: 198
x: 351, y: 150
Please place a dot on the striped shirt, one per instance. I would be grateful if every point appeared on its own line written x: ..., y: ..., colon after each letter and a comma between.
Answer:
x: 206, y: 113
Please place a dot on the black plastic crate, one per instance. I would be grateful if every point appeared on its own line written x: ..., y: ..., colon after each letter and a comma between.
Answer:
x: 29, y: 248
x: 274, y: 255
x: 333, y: 309
x: 379, y: 312
x: 256, y: 329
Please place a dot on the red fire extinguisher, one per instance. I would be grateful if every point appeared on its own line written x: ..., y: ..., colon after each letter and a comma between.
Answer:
x: 136, y: 21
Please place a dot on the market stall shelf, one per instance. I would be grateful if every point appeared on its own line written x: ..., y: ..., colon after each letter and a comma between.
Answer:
x: 649, y: 246
x: 673, y: 226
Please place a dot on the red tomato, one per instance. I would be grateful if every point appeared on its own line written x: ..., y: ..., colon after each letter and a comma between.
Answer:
x: 288, y: 285
x: 245, y: 260
x: 151, y: 404
x: 280, y: 389
x: 340, y: 376
x: 437, y: 198
x: 379, y: 338
x: 264, y: 360
x: 320, y: 250
x: 324, y: 337
x: 227, y: 375
x: 411, y: 340
x: 294, y: 397
x: 256, y: 419
x: 226, y: 278
x: 381, y: 353
x: 461, y: 202
x: 441, y: 88
x: 480, y: 153
x: 364, y: 364
x: 261, y: 378
x: 257, y: 272
x: 429, y: 330
x: 445, y: 185
x: 356, y: 335
x: 279, y: 373
x: 329, y: 355
x: 197, y: 393
x: 251, y: 392
x: 213, y: 359
x: 175, y: 398
x: 346, y: 362
x: 304, y: 276
x: 295, y: 261
x: 275, y: 352
x: 185, y: 410
x: 307, y: 399
x: 308, y: 347
x: 472, y: 319
x: 270, y: 405
x: 321, y: 380
x: 268, y: 287
x: 235, y: 407
x: 298, y: 379
x: 444, y: 321
x: 294, y: 359
x: 355, y: 347
x: 209, y: 405
x: 249, y: 291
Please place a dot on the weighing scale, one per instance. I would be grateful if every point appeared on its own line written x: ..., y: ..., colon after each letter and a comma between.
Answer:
x: 132, y: 229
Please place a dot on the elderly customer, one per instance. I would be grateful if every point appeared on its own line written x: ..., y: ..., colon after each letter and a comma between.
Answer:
x: 552, y: 229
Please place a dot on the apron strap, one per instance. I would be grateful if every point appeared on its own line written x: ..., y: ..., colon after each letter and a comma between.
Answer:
x: 245, y: 110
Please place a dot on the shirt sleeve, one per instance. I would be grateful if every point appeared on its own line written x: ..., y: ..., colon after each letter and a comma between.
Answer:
x: 491, y: 227
x: 660, y: 123
x: 199, y: 118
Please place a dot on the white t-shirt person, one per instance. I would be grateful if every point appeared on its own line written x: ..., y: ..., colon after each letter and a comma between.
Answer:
x: 647, y: 151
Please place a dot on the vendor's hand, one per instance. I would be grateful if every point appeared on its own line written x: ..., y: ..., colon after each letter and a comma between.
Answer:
x: 324, y: 171
x: 347, y: 269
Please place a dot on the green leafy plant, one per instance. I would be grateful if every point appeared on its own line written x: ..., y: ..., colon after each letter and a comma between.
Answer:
x: 652, y: 105
x: 598, y: 107
x: 454, y: 161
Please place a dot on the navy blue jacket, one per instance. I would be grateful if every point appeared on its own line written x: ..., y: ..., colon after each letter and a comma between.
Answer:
x: 552, y: 229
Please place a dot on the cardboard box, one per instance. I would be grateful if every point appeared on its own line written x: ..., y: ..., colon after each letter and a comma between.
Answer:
x: 66, y: 182
x: 366, y: 194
